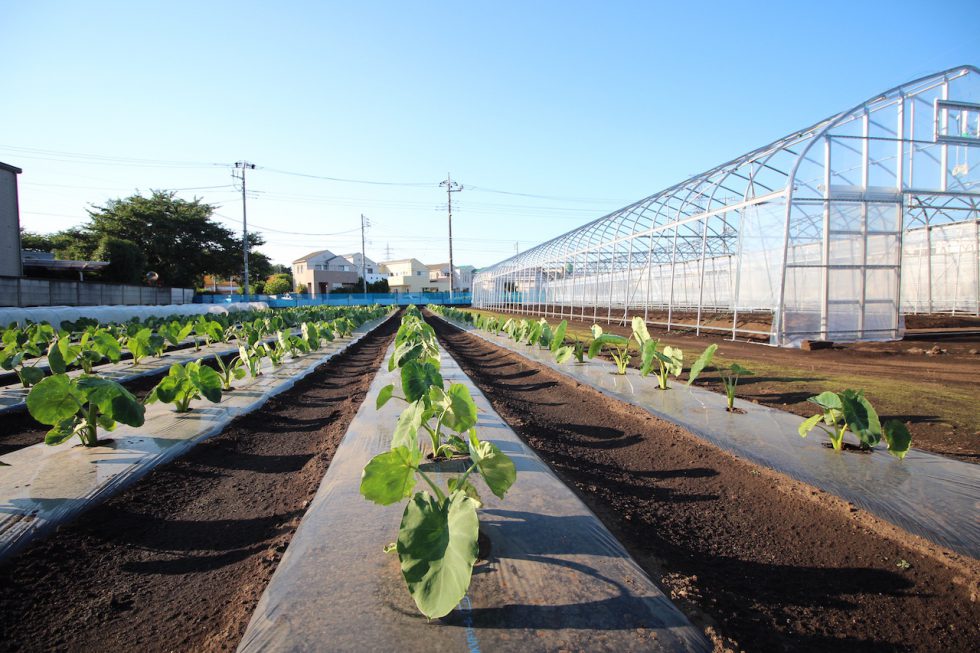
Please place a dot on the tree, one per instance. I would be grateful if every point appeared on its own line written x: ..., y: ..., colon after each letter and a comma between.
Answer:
x: 127, y: 262
x: 278, y: 284
x: 180, y: 241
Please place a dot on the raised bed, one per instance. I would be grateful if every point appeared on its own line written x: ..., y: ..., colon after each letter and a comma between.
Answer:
x: 47, y: 485
x: 929, y: 495
x: 554, y: 579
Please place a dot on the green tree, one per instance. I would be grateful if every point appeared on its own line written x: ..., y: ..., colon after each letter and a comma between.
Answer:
x: 180, y: 241
x: 278, y: 284
x: 127, y: 263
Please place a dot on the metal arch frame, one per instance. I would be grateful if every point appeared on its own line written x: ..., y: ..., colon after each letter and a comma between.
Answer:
x: 711, y: 208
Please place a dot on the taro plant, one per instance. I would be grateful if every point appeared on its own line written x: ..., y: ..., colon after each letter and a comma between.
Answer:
x: 618, y: 344
x: 175, y: 332
x: 234, y: 369
x: 22, y: 350
x: 252, y: 359
x: 80, y: 405
x: 851, y: 410
x: 187, y: 382
x: 437, y: 538
x: 664, y: 363
x: 729, y: 376
x: 144, y: 343
x: 559, y: 349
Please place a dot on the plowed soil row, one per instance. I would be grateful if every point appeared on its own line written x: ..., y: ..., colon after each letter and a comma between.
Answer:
x: 178, y: 561
x: 762, y: 562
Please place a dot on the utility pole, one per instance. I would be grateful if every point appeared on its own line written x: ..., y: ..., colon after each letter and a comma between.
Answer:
x: 363, y: 256
x: 451, y: 187
x: 388, y: 251
x: 243, y: 166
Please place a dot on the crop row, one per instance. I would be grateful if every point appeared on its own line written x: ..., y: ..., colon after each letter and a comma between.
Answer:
x: 839, y: 412
x: 28, y: 350
x: 82, y: 404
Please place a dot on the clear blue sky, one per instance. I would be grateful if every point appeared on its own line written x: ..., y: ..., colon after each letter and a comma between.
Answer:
x: 593, y: 105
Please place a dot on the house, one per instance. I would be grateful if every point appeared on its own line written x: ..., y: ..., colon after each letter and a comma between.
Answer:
x: 406, y: 275
x: 372, y: 272
x: 321, y: 271
x: 10, y: 256
x: 439, y: 277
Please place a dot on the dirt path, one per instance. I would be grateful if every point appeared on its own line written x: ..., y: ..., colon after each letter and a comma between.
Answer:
x: 763, y: 562
x: 178, y: 561
x: 938, y: 397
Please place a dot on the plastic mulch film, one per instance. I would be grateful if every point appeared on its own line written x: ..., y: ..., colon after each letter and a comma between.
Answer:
x: 45, y: 485
x: 931, y: 496
x: 14, y: 395
x: 55, y: 315
x: 555, y: 578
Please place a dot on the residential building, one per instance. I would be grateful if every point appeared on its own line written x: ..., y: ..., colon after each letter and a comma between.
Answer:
x: 371, y: 269
x: 406, y: 275
x: 321, y: 271
x: 10, y: 257
x: 439, y: 277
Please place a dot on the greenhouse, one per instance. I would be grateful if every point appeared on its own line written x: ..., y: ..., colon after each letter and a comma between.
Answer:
x: 833, y: 232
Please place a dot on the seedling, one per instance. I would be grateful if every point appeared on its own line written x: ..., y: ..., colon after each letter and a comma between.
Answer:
x: 437, y: 539
x: 850, y: 409
x: 187, y: 382
x: 234, y: 369
x: 618, y: 344
x: 729, y: 376
x: 80, y: 405
x: 144, y: 343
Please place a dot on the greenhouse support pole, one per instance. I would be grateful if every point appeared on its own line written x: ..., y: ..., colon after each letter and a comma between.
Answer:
x: 976, y: 252
x: 865, y: 125
x: 704, y: 246
x: 825, y: 249
x: 673, y: 268
x: 900, y: 218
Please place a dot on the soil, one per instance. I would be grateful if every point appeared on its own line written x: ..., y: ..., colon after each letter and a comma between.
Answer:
x: 179, y: 560
x: 21, y: 430
x: 760, y: 561
x: 929, y: 381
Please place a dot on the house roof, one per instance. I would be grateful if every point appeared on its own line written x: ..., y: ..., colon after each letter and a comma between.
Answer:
x: 10, y: 168
x: 313, y: 254
x: 401, y: 260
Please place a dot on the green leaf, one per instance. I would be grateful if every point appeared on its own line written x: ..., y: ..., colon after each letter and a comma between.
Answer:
x: 606, y: 339
x: 562, y: 354
x: 861, y: 418
x: 165, y: 390
x: 54, y: 400
x: 674, y: 360
x: 209, y: 383
x: 808, y: 425
x: 113, y: 400
x: 640, y: 331
x: 104, y: 343
x: 56, y: 358
x: 417, y: 378
x: 496, y: 467
x: 460, y: 415
x: 738, y: 370
x: 827, y: 401
x: 437, y: 548
x: 407, y: 427
x: 648, y: 356
x: 61, y: 432
x: 558, y: 338
x: 390, y: 476
x: 897, y: 437
x: 703, y: 360
x: 466, y: 488
x: 384, y: 396
x: 31, y: 375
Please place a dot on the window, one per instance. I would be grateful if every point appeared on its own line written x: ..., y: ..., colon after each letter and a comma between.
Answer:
x: 957, y: 121
x: 418, y: 273
x: 370, y: 270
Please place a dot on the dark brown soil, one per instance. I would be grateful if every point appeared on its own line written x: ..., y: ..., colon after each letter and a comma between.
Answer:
x: 21, y: 430
x: 762, y: 562
x: 178, y: 561
x: 935, y: 395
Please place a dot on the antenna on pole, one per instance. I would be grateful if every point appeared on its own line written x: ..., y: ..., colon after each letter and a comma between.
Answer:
x: 243, y: 166
x: 451, y: 187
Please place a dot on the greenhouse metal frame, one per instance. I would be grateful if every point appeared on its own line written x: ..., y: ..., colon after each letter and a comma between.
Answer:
x: 830, y: 233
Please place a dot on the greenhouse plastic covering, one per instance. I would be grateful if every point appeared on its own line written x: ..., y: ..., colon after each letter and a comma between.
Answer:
x: 932, y: 496
x: 555, y: 579
x: 47, y: 485
x: 55, y: 315
x: 829, y: 233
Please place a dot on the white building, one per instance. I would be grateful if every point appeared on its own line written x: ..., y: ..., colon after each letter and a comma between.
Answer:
x: 371, y: 270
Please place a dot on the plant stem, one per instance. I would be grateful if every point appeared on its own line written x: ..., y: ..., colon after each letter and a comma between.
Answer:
x: 435, y: 488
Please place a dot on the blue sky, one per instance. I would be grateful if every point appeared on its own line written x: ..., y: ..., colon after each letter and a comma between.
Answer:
x: 585, y: 106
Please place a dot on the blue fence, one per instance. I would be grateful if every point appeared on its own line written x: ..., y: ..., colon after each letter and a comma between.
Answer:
x: 352, y: 299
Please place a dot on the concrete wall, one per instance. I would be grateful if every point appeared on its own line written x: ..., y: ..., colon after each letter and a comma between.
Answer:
x: 9, y: 224
x: 18, y: 291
